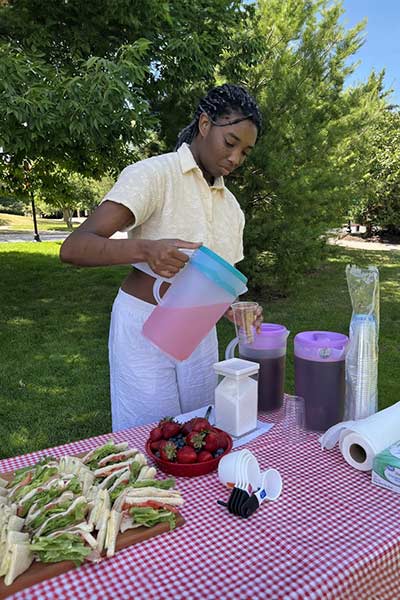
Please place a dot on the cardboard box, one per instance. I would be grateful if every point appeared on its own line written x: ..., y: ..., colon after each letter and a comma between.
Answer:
x: 386, y: 468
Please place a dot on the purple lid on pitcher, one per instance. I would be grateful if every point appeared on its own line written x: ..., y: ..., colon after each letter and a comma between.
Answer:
x: 321, y: 346
x: 271, y: 336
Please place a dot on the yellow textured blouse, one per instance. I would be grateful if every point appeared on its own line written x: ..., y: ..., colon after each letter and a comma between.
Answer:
x: 170, y: 198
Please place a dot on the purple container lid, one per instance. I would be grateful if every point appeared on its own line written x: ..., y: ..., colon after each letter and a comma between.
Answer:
x: 321, y: 346
x: 270, y: 337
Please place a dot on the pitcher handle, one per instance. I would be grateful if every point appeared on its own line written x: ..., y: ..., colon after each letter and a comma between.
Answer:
x: 230, y: 349
x: 156, y: 288
x: 158, y: 279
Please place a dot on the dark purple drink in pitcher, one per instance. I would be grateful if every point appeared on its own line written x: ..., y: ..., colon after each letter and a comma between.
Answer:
x: 319, y: 375
x: 322, y: 385
x: 268, y: 348
x: 271, y: 381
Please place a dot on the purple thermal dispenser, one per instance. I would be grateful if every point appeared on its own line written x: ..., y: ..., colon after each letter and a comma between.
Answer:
x: 268, y: 348
x: 319, y: 374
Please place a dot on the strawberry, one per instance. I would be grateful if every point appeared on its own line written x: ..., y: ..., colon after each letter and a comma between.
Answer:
x: 167, y: 451
x: 211, y: 441
x: 155, y: 446
x: 199, y: 423
x: 186, y: 455
x: 204, y: 455
x: 155, y: 434
x: 187, y: 427
x: 195, y: 424
x: 164, y: 420
x: 195, y: 439
x: 222, y: 440
x: 162, y: 444
x: 170, y: 428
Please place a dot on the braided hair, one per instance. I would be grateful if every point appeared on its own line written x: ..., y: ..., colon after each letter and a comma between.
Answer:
x: 222, y: 100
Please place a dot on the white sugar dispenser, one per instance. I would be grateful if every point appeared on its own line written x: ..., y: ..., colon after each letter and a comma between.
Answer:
x: 236, y: 400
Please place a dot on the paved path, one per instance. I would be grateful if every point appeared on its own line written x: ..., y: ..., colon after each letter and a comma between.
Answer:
x: 362, y: 245
x: 45, y: 236
x: 53, y: 236
x: 20, y: 236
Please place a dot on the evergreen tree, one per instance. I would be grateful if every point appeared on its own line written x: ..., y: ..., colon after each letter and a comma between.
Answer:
x: 377, y: 203
x: 309, y: 161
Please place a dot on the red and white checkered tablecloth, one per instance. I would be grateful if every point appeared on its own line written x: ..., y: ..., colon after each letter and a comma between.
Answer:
x: 332, y: 534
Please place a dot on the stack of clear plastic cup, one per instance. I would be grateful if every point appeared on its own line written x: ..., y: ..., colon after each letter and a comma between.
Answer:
x: 362, y: 368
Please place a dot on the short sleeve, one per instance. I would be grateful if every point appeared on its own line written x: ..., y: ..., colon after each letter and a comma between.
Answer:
x: 239, y: 246
x: 140, y: 187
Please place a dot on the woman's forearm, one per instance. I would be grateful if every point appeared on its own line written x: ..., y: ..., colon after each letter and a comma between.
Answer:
x: 87, y: 249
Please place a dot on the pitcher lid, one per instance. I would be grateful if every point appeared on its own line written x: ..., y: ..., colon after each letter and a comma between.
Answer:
x: 219, y: 271
x: 271, y: 336
x: 273, y: 329
x: 321, y: 346
x: 223, y: 263
x: 236, y: 367
x: 328, y: 339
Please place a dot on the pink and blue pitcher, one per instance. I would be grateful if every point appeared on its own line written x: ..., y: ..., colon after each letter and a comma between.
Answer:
x: 197, y: 298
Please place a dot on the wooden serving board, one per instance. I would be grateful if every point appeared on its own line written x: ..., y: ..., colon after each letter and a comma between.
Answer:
x: 38, y: 571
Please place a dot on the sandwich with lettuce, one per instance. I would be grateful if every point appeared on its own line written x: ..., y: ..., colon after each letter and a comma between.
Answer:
x: 15, y: 552
x: 73, y: 509
x: 43, y: 494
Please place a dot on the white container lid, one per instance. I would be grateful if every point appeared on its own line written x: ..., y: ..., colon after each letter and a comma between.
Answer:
x: 236, y: 368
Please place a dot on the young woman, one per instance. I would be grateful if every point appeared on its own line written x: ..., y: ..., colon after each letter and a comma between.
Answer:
x: 165, y: 203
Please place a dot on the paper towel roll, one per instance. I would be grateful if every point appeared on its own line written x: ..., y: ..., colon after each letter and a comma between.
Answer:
x: 357, y: 451
x: 359, y: 441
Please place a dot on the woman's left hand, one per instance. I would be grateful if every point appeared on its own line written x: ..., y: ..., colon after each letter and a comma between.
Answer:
x: 258, y: 317
x: 229, y: 315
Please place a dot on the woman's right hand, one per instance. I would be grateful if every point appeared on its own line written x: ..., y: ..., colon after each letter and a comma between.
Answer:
x: 164, y: 256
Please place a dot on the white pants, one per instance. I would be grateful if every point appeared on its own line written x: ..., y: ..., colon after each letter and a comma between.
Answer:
x: 146, y: 384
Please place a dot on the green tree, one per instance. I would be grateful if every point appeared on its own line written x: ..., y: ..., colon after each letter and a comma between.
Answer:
x: 85, y: 86
x: 378, y: 201
x: 82, y: 83
x: 82, y: 121
x: 307, y: 163
x: 66, y: 192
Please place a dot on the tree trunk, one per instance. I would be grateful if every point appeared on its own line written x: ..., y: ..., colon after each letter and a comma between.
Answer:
x: 67, y: 216
x: 368, y: 230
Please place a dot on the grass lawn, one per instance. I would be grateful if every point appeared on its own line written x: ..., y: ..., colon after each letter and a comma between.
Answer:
x: 14, y: 223
x: 54, y: 325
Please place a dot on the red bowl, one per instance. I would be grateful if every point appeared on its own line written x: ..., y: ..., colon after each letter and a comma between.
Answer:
x: 193, y: 469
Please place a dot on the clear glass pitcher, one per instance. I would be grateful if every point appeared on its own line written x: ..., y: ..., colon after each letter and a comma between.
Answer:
x: 197, y: 298
x: 268, y: 348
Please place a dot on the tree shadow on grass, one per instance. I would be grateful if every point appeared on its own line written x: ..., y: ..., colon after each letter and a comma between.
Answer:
x: 4, y: 221
x: 55, y: 376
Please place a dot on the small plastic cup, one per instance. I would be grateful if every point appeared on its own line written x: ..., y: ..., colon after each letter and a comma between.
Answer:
x: 244, y: 315
x: 293, y: 422
x: 271, y: 482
